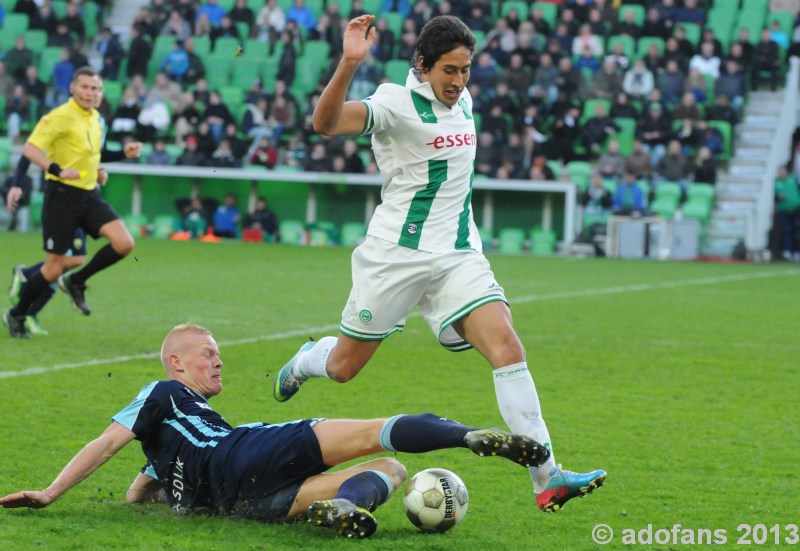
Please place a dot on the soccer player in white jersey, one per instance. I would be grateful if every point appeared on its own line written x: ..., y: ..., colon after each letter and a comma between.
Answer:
x: 422, y: 246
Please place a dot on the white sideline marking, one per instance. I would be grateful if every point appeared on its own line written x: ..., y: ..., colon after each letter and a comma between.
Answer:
x: 312, y: 330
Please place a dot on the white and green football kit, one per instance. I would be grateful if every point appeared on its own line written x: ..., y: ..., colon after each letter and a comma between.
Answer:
x: 422, y: 245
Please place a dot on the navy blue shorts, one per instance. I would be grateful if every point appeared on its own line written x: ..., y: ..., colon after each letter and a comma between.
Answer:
x: 267, y: 466
x: 78, y: 247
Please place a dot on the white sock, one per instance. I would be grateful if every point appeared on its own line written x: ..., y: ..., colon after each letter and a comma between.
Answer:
x: 519, y: 406
x: 312, y: 363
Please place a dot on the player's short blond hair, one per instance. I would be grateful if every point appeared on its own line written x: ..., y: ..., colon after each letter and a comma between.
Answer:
x: 177, y: 331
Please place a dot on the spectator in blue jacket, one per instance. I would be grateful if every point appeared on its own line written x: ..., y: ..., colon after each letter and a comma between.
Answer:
x: 62, y: 77
x: 628, y: 199
x: 302, y: 15
x: 176, y: 63
x: 213, y: 11
x: 226, y: 217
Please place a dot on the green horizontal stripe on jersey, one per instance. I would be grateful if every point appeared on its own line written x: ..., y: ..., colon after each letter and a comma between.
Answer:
x: 421, y: 205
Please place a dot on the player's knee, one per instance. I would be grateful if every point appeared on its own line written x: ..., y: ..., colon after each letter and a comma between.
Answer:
x: 123, y: 245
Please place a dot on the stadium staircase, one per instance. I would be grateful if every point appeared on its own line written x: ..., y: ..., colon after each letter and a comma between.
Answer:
x: 739, y: 188
x: 122, y: 15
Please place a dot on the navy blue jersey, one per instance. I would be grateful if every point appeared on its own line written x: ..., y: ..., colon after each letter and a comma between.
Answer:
x: 205, y: 464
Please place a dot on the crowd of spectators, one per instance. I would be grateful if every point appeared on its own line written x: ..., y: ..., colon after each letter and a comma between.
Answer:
x: 546, y: 90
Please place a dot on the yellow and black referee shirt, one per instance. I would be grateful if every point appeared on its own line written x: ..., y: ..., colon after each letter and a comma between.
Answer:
x: 72, y: 137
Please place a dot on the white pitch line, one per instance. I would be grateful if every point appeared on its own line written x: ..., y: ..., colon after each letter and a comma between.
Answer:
x: 325, y: 328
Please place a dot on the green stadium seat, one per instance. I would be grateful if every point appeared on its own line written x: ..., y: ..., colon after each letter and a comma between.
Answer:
x: 727, y: 136
x: 480, y: 38
x: 136, y: 224
x: 510, y: 240
x: 487, y: 238
x: 293, y: 232
x: 202, y: 45
x: 664, y: 207
x: 628, y: 44
x: 244, y: 74
x: 727, y: 5
x: 3, y: 116
x: 233, y: 97
x: 699, y: 190
x: 580, y: 173
x: 592, y: 219
x: 112, y: 90
x: 15, y: 23
x: 59, y: 8
x: 164, y: 226
x: 372, y: 6
x: 555, y: 166
x: 590, y: 106
x: 697, y: 210
x: 317, y: 6
x: 521, y: 7
x: 755, y: 7
x: 218, y: 67
x: 543, y: 242
x: 693, y: 32
x: 244, y: 31
x: 638, y: 13
x: 646, y: 41
x: 90, y: 11
x: 50, y: 56
x: 226, y: 45
x: 36, y: 40
x: 549, y: 12
x: 626, y: 134
x: 394, y: 21
x: 35, y: 208
x: 317, y: 49
x: 353, y: 233
x: 5, y: 143
x: 396, y: 70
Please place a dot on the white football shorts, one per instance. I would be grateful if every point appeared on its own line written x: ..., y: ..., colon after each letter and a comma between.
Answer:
x: 389, y: 280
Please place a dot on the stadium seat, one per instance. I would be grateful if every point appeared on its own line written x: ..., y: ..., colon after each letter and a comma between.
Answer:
x: 701, y: 191
x: 555, y: 166
x: 36, y: 40
x: 164, y: 225
x: 50, y: 56
x: 136, y: 224
x: 35, y: 208
x: 202, y: 45
x: 396, y: 70
x: 353, y: 233
x: 5, y: 143
x: 112, y: 90
x: 244, y: 74
x: 15, y: 23
x: 549, y: 12
x: 755, y: 7
x: 696, y: 210
x: 591, y: 105
x: 668, y: 195
x: 728, y: 5
x: 394, y: 21
x: 521, y: 7
x: 90, y: 19
x: 725, y: 129
x: 59, y: 8
x: 692, y: 32
x: 3, y: 116
x: 487, y: 238
x: 318, y: 50
x: 372, y: 6
x: 543, y: 242
x: 233, y: 97
x: 638, y: 13
x: 480, y: 38
x: 226, y: 45
x: 628, y: 45
x: 293, y: 232
x: 317, y: 6
x: 579, y: 172
x: 511, y: 240
x: 646, y: 41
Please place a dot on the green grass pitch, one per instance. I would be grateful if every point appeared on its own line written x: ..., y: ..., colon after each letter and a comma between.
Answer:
x: 679, y: 379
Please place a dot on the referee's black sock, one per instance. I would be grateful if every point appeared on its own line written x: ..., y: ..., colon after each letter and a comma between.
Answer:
x: 102, y: 259
x: 422, y: 433
x: 35, y: 285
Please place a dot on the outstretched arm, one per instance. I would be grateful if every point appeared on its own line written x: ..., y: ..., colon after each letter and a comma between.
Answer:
x: 333, y: 116
x: 85, y: 462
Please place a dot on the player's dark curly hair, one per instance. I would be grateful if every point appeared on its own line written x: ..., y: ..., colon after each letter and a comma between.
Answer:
x: 439, y: 36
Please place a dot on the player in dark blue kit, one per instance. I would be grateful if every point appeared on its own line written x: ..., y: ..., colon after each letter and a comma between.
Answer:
x: 197, y: 462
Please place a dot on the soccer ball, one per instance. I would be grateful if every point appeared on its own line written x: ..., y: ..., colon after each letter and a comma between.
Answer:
x: 435, y: 500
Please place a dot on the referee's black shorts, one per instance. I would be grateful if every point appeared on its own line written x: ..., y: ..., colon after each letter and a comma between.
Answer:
x: 67, y: 208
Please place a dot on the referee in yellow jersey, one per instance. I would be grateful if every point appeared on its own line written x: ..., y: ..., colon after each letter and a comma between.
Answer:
x: 71, y: 135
